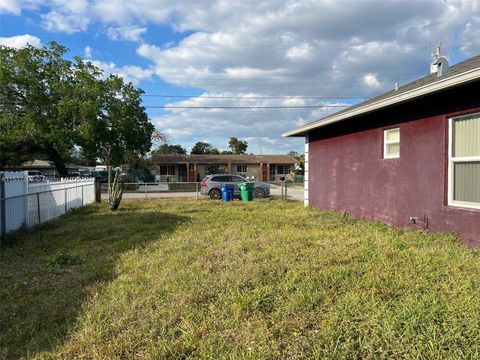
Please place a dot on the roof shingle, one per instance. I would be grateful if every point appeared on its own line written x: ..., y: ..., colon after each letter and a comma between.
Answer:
x: 222, y: 159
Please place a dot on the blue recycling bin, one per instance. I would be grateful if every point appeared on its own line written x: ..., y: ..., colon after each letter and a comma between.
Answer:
x: 227, y: 192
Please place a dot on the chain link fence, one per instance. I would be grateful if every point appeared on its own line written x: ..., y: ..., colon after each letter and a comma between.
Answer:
x: 141, y: 190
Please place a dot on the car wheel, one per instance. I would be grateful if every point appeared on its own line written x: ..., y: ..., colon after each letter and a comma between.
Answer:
x: 215, y: 194
x: 258, y: 193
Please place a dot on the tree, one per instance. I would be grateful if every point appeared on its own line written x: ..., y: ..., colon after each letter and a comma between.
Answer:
x: 51, y: 107
x: 35, y: 105
x: 294, y: 154
x: 204, y: 148
x: 237, y: 146
x: 120, y: 132
x: 170, y: 149
x: 301, y: 161
x: 159, y: 138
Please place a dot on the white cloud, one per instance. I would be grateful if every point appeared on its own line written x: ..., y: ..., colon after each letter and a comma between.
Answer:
x: 129, y: 33
x: 302, y: 51
x: 15, y: 6
x: 10, y: 6
x: 88, y: 52
x: 122, y: 13
x: 60, y: 22
x: 371, y: 81
x: 471, y: 36
x: 67, y: 16
x: 131, y: 73
x: 20, y: 41
x: 261, y: 127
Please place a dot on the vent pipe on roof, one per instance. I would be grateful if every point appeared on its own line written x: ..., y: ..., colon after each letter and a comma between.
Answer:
x: 439, y: 64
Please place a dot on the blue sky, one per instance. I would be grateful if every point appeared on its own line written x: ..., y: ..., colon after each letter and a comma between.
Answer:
x: 251, y: 54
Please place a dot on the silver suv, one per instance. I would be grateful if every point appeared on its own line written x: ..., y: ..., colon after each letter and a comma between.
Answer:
x: 212, y: 186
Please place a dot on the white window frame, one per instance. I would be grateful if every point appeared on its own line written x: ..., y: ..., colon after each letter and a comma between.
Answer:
x: 241, y: 167
x: 283, y: 167
x: 390, y: 142
x: 452, y: 160
x: 169, y: 170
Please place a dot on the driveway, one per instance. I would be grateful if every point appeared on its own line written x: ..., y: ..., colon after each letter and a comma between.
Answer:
x: 293, y: 193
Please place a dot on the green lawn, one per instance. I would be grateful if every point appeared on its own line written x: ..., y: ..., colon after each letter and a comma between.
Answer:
x: 268, y: 279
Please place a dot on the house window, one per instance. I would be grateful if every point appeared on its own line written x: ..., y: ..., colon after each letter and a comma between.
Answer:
x: 283, y: 169
x: 464, y: 161
x: 391, y: 143
x: 213, y: 169
x: 167, y: 169
x: 241, y: 168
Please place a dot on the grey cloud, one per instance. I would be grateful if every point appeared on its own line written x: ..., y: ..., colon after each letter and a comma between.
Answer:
x: 471, y: 37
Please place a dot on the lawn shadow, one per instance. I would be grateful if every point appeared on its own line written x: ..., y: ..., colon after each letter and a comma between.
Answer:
x: 48, y: 273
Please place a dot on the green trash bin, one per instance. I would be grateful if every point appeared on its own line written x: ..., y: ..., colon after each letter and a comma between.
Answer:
x: 246, y: 191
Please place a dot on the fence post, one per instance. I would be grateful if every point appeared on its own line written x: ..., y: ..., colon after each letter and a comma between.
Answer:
x: 82, y: 197
x: 98, y: 191
x: 65, y: 200
x: 3, y: 217
x: 196, y: 188
x: 146, y: 190
x: 38, y: 208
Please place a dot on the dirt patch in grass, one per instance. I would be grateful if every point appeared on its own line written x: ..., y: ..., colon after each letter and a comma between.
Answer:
x: 269, y: 279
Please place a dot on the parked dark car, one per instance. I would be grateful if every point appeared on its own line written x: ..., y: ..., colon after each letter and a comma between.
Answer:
x: 212, y: 186
x: 100, y: 176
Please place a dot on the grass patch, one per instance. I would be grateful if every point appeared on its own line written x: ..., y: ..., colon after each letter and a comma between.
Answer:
x: 268, y: 279
x: 64, y: 260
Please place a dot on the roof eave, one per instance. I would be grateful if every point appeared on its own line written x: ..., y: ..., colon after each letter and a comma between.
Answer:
x: 442, y: 84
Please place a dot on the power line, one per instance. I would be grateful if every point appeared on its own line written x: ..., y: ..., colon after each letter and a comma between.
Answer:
x: 296, y: 78
x: 255, y: 97
x: 348, y: 68
x: 245, y: 111
x: 244, y: 107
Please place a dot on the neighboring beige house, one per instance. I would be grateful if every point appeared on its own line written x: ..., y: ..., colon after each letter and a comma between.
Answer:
x: 47, y: 167
x: 183, y: 168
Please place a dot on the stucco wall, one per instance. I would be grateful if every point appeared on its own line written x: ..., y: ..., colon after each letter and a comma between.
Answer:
x: 347, y: 170
x: 252, y: 170
x: 201, y: 169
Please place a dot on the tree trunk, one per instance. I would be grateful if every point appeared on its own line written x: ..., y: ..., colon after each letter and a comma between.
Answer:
x: 57, y: 159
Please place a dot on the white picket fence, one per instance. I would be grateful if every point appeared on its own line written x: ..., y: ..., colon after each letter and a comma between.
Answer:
x: 28, y: 204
